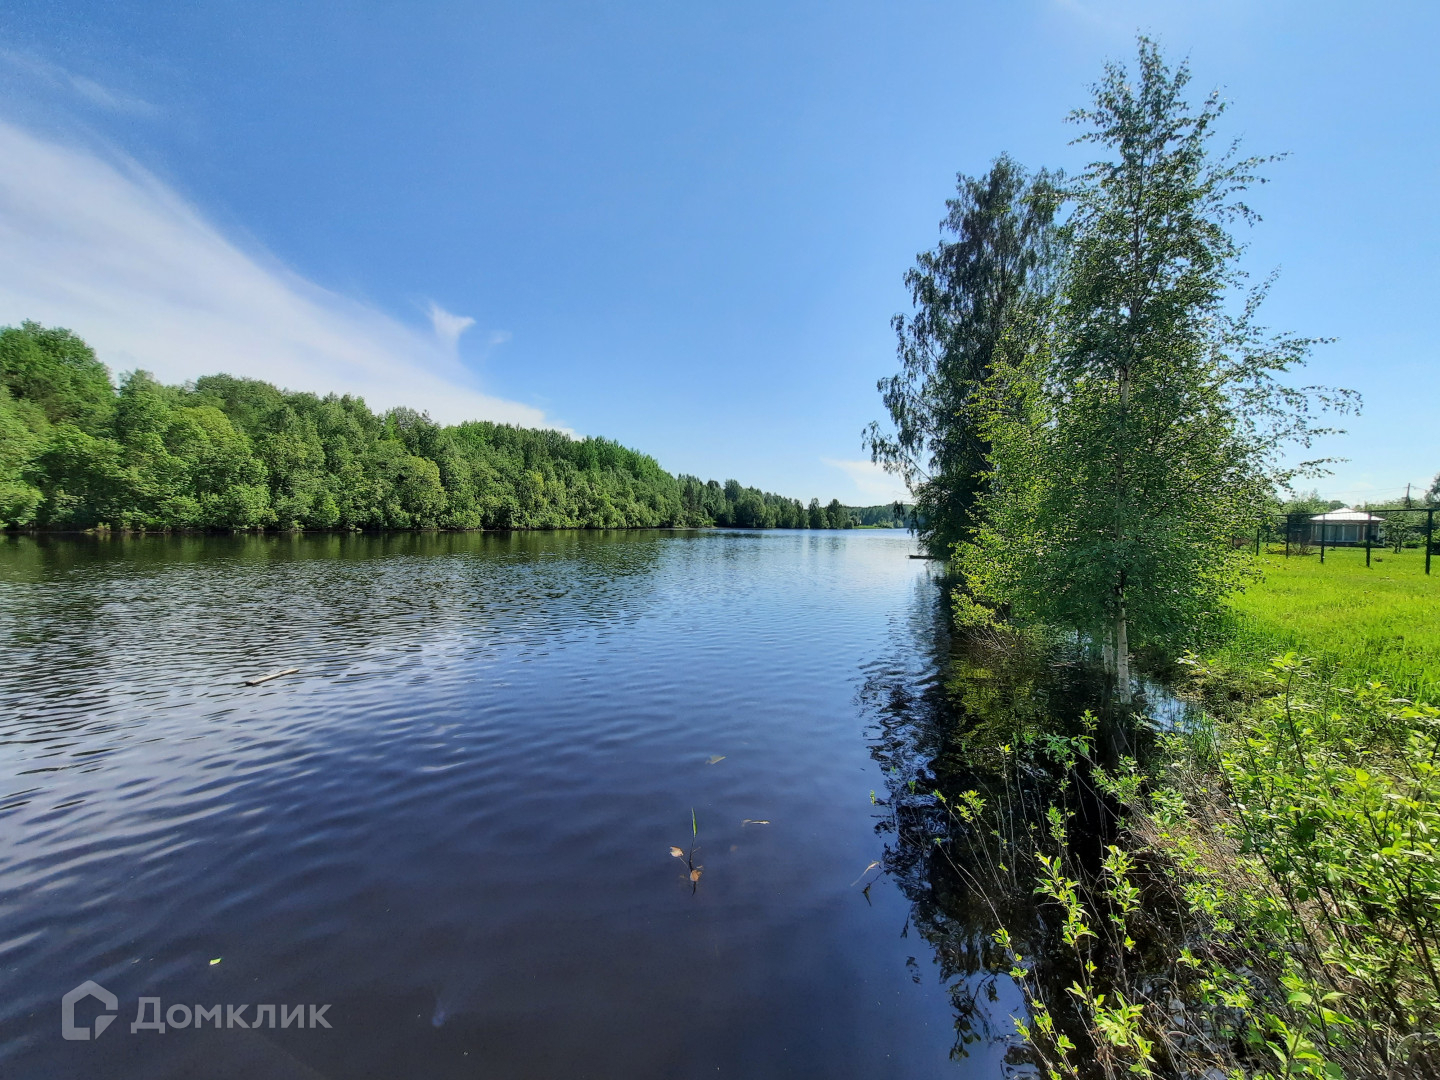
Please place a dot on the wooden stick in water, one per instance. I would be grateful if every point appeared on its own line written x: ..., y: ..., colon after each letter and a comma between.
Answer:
x: 273, y: 675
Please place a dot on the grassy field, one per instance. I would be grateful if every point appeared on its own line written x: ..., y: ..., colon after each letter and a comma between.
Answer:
x: 1380, y: 622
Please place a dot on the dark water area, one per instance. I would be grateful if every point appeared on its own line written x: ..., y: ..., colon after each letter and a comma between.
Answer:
x: 453, y: 824
x: 1027, y: 726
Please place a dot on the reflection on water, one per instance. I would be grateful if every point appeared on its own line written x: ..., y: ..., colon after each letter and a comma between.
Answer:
x: 454, y: 824
x: 1022, y: 725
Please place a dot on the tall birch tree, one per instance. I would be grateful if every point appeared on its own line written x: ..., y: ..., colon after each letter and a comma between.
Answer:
x: 1142, y: 434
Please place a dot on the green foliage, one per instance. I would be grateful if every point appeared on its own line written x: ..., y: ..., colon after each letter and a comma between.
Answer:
x: 58, y: 372
x: 83, y: 479
x: 231, y: 453
x: 1266, y: 900
x: 1135, y: 423
x: 1308, y: 502
x: 1270, y: 905
x: 21, y: 432
x: 1299, y: 828
x: 995, y: 256
x: 1258, y: 894
x: 1338, y: 795
x: 885, y: 516
x: 1272, y: 908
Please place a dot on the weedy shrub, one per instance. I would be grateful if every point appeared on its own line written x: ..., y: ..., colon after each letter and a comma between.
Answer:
x: 1267, y: 903
x: 1335, y: 794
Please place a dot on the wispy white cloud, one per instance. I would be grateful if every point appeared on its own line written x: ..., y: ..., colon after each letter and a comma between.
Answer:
x: 448, y: 327
x: 103, y: 247
x: 871, y: 482
x: 52, y: 77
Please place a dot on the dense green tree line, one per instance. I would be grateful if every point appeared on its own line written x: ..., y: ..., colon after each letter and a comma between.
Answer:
x: 885, y: 516
x: 78, y: 452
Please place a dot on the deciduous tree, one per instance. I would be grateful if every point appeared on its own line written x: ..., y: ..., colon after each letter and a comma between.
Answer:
x: 1141, y: 434
x: 996, y: 253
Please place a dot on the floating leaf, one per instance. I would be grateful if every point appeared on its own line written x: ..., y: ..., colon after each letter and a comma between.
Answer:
x: 216, y: 961
x: 713, y: 758
x: 679, y: 853
x: 754, y: 821
x: 695, y: 874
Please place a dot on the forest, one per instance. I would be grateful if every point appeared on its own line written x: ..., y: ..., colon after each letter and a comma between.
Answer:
x: 78, y: 452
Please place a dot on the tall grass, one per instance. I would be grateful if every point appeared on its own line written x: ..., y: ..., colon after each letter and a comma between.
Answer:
x: 1378, y: 622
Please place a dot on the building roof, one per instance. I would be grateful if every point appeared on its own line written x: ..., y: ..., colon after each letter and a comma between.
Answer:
x: 1345, y: 516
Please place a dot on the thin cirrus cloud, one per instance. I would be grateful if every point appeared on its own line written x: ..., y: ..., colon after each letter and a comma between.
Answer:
x: 38, y: 75
x: 103, y: 247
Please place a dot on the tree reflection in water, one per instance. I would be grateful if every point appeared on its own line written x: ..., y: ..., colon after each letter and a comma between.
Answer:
x: 995, y: 717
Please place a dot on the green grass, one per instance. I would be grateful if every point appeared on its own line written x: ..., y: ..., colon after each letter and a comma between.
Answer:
x: 1380, y: 622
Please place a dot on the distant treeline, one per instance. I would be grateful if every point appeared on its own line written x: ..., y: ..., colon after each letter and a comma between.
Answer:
x: 76, y: 452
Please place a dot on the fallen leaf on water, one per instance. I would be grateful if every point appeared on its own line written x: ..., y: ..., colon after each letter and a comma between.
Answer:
x: 867, y: 869
x: 754, y: 821
x: 713, y: 758
x: 695, y: 874
x: 679, y: 853
x: 216, y: 961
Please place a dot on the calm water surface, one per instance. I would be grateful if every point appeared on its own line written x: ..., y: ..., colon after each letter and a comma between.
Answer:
x: 453, y: 825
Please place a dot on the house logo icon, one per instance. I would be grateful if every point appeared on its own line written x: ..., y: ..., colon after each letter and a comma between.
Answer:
x: 86, y: 989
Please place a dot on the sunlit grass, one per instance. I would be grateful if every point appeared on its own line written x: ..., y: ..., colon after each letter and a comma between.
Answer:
x: 1380, y: 622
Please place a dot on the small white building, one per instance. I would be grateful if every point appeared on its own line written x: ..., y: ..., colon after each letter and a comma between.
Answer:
x: 1345, y: 527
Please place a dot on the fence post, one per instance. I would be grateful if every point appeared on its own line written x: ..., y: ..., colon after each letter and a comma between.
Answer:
x: 1289, y: 527
x: 1257, y: 539
x: 1429, y: 529
x: 1368, y: 515
x: 1324, y: 531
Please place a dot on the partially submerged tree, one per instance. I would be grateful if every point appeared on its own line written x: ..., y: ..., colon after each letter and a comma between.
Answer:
x: 994, y: 257
x: 1137, y: 432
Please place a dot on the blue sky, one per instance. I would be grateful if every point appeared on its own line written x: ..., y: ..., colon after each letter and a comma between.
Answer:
x: 681, y: 225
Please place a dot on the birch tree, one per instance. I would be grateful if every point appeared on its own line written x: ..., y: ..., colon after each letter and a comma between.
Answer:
x: 1142, y: 434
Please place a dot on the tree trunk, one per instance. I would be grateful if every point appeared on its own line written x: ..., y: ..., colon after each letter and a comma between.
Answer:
x: 1122, y: 639
x: 1122, y: 657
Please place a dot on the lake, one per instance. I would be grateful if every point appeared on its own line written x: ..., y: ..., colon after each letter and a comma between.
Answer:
x: 453, y: 825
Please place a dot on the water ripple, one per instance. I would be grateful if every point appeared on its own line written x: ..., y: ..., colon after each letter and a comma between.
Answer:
x: 453, y: 823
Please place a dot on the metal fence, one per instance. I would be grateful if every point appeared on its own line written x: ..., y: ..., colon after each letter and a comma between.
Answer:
x: 1299, y: 527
